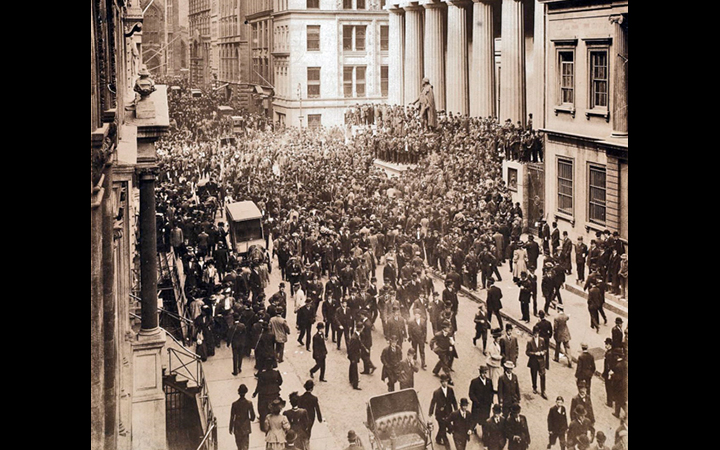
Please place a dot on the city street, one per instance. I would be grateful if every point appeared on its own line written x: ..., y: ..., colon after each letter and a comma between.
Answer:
x: 345, y: 409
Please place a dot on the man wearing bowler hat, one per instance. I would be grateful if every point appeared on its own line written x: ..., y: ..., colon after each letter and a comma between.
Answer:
x: 585, y: 367
x: 242, y: 415
x: 461, y: 424
x: 443, y: 403
x: 481, y: 394
x: 617, y: 334
x: 516, y: 429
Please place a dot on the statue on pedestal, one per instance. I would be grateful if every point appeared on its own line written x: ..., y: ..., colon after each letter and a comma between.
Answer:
x: 428, y: 113
x: 144, y: 85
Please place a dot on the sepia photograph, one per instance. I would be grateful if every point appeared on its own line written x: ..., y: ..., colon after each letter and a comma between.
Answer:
x: 359, y: 224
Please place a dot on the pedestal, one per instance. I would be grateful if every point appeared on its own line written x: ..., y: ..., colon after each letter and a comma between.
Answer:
x: 148, y: 397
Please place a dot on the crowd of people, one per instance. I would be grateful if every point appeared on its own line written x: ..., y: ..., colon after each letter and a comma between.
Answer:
x: 401, y: 137
x: 330, y: 214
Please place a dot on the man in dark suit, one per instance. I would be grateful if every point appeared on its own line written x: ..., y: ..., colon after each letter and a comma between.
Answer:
x: 443, y: 344
x: 343, y: 322
x: 391, y: 358
x: 481, y: 394
x: 516, y: 430
x: 546, y: 332
x: 461, y: 425
x: 533, y: 253
x: 354, y: 355
x: 242, y: 415
x: 494, y: 303
x: 269, y: 381
x: 555, y: 239
x: 390, y: 273
x: 319, y: 352
x: 509, y: 346
x: 566, y: 253
x: 494, y: 430
x: 417, y: 334
x: 310, y: 403
x: 508, y: 389
x: 536, y: 352
x: 305, y: 320
x: 237, y: 338
x: 582, y: 399
x: 581, y: 255
x: 585, y: 368
x: 443, y: 403
x: 558, y: 423
x: 617, y: 334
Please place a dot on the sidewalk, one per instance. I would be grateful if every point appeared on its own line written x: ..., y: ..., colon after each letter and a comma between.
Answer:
x: 223, y: 386
x: 575, y: 304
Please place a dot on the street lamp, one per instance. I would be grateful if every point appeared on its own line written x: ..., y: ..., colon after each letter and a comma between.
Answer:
x: 299, y: 94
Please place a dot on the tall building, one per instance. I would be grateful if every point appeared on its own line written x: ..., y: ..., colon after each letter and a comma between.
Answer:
x: 164, y: 38
x: 586, y: 127
x: 127, y: 402
x: 327, y: 56
x: 261, y: 66
x: 200, y: 43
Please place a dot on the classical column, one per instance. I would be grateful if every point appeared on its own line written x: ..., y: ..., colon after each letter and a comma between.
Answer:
x: 482, y: 72
x: 109, y: 313
x: 148, y: 253
x: 620, y: 75
x: 435, y: 50
x: 512, y: 68
x: 396, y: 73
x: 97, y: 357
x: 413, y: 53
x: 457, y: 58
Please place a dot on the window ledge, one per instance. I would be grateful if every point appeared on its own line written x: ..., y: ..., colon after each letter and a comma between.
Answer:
x: 565, y: 217
x: 598, y: 113
x: 567, y: 109
x: 594, y: 227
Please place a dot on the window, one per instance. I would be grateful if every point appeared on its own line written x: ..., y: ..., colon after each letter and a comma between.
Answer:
x: 567, y: 77
x: 347, y: 4
x: 384, y: 37
x: 360, y: 81
x: 598, y: 79
x: 360, y: 4
x: 314, y: 121
x: 384, y: 81
x: 360, y: 38
x: 565, y: 186
x: 313, y: 82
x: 313, y: 4
x: 597, y: 194
x: 347, y: 37
x: 313, y: 38
x: 347, y: 81
x: 512, y: 179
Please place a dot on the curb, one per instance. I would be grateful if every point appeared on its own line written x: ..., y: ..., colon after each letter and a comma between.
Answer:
x: 612, y: 304
x: 516, y: 323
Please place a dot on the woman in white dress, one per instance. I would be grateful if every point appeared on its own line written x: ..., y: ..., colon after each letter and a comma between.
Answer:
x: 520, y: 260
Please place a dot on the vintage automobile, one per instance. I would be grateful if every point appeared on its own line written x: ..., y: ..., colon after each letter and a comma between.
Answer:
x: 246, y: 229
x: 396, y: 422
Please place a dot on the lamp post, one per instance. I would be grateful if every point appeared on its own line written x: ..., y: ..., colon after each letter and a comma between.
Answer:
x: 299, y: 94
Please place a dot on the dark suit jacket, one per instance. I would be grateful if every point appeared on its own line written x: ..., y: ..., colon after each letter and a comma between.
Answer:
x: 417, y: 333
x: 481, y: 395
x: 354, y: 348
x: 318, y: 346
x: 509, y: 390
x: 310, y: 403
x: 535, y: 362
x: 587, y: 404
x: 557, y: 420
x: 494, y: 295
x: 242, y: 415
x: 441, y: 405
x: 509, y: 348
x: 305, y: 317
x: 517, y: 426
x: 460, y: 426
x: 344, y: 319
x: 494, y: 433
x: 585, y: 366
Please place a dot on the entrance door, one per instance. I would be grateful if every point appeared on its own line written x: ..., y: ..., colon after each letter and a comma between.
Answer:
x: 536, y: 194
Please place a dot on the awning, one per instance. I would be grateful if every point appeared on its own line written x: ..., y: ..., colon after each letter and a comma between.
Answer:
x: 259, y: 90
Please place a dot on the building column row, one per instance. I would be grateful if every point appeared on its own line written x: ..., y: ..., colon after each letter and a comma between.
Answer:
x: 418, y: 34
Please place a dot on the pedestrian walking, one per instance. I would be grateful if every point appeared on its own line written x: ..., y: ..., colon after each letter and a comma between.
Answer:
x: 508, y: 389
x: 536, y: 351
x: 481, y: 394
x: 585, y: 367
x: 442, y: 405
x: 516, y: 429
x: 280, y: 330
x: 562, y: 336
x: 319, y: 352
x: 494, y: 302
x: 354, y: 355
x: 311, y: 404
x: 493, y: 430
x: 557, y: 422
x: 275, y: 425
x: 242, y: 415
x: 407, y: 369
x: 460, y: 424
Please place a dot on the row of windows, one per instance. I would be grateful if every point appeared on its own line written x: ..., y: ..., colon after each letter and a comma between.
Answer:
x: 347, y: 4
x: 596, y: 190
x: 598, y: 78
x: 353, y: 38
x: 354, y: 81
